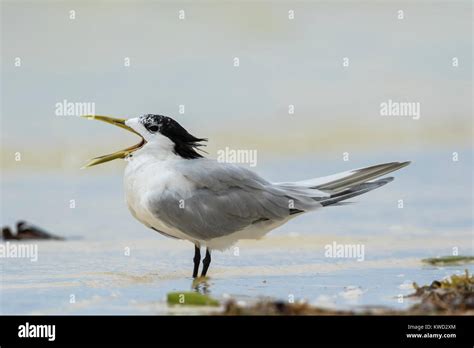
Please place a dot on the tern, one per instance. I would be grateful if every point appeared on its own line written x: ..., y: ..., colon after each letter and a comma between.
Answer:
x: 173, y: 189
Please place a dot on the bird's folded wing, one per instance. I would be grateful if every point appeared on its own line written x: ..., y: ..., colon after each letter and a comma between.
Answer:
x: 225, y: 199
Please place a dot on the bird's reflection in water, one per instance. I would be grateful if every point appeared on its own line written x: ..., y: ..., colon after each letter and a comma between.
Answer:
x: 201, y: 285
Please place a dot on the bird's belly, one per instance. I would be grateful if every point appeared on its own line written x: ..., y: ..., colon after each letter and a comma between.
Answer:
x: 256, y: 231
x: 139, y: 181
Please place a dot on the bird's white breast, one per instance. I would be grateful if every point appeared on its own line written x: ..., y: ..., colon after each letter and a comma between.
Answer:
x: 146, y: 174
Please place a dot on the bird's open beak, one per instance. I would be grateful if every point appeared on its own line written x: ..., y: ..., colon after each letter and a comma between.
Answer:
x: 119, y: 122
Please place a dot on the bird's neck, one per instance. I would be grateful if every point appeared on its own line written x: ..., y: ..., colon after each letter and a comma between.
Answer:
x: 153, y: 151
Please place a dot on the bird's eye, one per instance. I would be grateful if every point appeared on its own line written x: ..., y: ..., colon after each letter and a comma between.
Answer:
x: 153, y: 128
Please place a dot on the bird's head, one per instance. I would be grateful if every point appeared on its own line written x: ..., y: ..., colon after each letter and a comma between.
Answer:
x: 155, y: 131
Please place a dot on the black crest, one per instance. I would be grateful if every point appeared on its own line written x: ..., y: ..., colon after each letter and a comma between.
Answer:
x: 185, y: 144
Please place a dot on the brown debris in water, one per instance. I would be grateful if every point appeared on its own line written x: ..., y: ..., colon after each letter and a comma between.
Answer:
x: 453, y: 296
x: 278, y: 308
x: 450, y: 296
x: 27, y: 231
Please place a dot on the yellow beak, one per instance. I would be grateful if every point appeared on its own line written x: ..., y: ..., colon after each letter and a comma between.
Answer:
x: 119, y: 122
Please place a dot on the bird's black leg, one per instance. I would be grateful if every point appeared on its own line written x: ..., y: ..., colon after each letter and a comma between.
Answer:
x: 196, y: 259
x: 206, y: 262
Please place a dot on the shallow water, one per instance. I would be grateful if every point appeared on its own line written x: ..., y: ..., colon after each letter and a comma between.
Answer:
x: 92, y: 273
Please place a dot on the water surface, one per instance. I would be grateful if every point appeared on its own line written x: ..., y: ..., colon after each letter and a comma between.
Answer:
x: 111, y: 264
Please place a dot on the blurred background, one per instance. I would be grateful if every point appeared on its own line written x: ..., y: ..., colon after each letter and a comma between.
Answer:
x: 78, y: 51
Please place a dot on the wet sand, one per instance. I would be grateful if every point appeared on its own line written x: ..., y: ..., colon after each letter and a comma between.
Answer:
x: 99, y: 278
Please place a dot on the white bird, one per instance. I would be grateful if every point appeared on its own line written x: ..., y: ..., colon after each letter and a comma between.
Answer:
x: 171, y: 188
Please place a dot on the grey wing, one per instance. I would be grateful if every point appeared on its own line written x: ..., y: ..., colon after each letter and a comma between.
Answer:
x: 225, y: 199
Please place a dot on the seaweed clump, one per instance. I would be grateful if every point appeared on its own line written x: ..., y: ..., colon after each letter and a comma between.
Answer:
x: 454, y: 295
x: 449, y: 260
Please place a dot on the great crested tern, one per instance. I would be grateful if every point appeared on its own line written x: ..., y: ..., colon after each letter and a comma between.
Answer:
x: 171, y: 188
